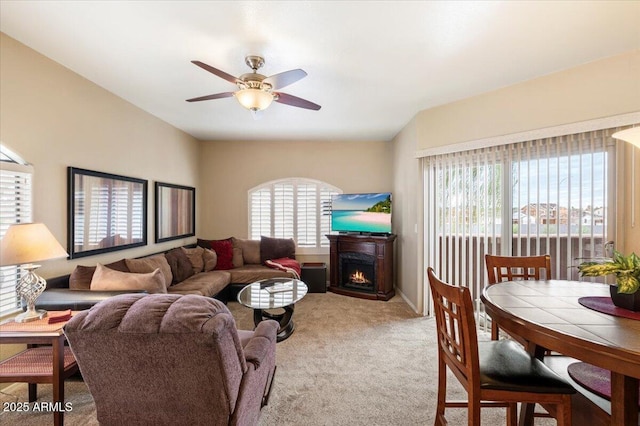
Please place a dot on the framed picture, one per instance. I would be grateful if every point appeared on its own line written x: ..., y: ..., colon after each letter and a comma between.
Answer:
x: 175, y: 211
x: 106, y: 212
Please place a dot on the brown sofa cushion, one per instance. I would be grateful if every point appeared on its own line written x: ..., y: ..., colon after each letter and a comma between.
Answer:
x: 250, y: 249
x: 180, y: 265
x: 195, y: 257
x: 110, y: 279
x: 149, y: 264
x: 275, y: 248
x: 80, y: 278
x: 205, y: 284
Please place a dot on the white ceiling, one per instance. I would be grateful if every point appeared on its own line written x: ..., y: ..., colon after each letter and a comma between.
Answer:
x: 372, y: 65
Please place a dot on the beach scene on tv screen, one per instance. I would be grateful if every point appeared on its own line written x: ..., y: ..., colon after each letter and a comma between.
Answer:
x: 361, y: 212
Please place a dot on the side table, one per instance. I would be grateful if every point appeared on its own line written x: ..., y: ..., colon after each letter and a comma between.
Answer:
x: 314, y: 275
x: 43, y: 364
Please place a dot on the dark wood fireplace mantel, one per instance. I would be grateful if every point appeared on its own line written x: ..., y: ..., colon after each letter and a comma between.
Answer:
x: 378, y: 248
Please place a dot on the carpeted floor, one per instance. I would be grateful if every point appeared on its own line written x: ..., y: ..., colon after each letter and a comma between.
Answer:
x: 349, y: 362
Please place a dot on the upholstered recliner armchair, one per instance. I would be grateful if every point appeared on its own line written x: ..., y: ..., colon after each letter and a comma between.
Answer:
x: 164, y: 359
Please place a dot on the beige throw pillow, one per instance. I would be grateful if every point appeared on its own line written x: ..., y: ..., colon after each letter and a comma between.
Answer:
x: 250, y: 249
x: 109, y: 279
x: 210, y: 259
x: 195, y: 256
x: 150, y: 264
x: 80, y: 278
x: 237, y: 257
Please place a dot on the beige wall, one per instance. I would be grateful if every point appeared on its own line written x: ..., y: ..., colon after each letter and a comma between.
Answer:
x: 230, y: 169
x: 599, y: 89
x: 605, y: 88
x: 407, y: 220
x: 53, y: 118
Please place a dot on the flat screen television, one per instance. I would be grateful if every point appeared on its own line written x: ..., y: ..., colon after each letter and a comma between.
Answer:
x: 364, y: 213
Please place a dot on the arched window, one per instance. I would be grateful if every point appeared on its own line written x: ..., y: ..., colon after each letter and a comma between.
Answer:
x: 295, y: 208
x: 15, y: 205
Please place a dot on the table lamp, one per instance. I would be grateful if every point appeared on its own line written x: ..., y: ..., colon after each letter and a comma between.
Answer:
x: 631, y: 135
x: 24, y: 244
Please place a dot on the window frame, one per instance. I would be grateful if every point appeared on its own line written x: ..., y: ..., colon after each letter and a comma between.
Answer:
x: 11, y: 163
x: 321, y: 188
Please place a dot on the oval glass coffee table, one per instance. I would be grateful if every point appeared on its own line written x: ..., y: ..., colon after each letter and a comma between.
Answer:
x: 274, y: 293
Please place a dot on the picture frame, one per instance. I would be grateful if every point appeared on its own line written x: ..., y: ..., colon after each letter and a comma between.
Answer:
x: 175, y: 207
x: 105, y: 212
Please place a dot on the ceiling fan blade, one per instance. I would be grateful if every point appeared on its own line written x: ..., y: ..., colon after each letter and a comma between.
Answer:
x: 216, y: 71
x: 286, y: 99
x: 209, y: 97
x: 280, y: 80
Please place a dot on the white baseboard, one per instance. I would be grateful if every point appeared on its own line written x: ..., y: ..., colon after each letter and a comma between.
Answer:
x: 408, y: 302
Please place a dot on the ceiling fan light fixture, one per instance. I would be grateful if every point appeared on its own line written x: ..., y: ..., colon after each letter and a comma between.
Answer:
x: 254, y: 99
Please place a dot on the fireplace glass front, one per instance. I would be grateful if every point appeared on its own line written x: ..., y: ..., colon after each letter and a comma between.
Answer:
x: 357, y: 272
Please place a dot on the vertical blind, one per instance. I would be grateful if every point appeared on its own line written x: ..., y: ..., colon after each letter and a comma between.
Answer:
x: 292, y: 208
x: 548, y: 196
x: 15, y: 207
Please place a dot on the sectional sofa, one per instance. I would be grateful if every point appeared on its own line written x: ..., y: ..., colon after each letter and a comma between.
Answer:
x: 213, y: 268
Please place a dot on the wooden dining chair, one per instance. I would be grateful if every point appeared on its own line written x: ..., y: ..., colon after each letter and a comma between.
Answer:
x: 495, y: 373
x: 511, y: 268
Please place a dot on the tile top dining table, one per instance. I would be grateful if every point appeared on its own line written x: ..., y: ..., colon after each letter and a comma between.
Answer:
x: 547, y: 315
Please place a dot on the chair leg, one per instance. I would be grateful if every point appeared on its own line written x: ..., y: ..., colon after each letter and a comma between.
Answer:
x: 474, y: 412
x: 512, y: 414
x: 495, y: 333
x: 563, y: 411
x: 442, y: 393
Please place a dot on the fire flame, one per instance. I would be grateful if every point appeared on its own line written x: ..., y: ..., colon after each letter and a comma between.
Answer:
x: 358, y: 277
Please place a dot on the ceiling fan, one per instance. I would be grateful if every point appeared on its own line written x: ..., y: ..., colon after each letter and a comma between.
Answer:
x: 256, y: 91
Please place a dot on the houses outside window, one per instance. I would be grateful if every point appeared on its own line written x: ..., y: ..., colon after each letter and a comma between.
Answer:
x: 295, y: 208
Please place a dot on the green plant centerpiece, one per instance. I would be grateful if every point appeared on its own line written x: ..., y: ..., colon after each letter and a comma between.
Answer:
x: 625, y: 268
x: 627, y: 271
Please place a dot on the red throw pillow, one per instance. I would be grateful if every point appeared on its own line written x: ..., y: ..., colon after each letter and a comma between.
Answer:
x: 224, y: 251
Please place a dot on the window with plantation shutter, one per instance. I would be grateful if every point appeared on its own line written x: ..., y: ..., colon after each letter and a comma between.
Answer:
x: 15, y: 207
x: 295, y: 208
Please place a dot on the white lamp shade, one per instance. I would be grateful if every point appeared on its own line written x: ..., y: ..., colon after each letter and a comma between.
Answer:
x: 631, y: 135
x: 29, y: 243
x: 254, y: 99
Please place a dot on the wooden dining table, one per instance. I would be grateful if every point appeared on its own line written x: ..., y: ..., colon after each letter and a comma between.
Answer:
x: 547, y: 315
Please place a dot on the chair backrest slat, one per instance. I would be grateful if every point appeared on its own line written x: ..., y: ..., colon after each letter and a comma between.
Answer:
x: 511, y: 268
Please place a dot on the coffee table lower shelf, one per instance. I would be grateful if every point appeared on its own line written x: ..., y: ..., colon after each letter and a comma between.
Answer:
x: 285, y: 320
x: 263, y: 296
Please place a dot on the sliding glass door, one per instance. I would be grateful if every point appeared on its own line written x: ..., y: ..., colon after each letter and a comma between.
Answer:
x: 550, y: 196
